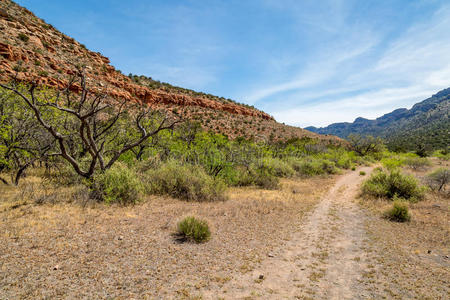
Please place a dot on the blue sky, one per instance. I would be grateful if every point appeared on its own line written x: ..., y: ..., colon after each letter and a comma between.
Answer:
x: 305, y: 62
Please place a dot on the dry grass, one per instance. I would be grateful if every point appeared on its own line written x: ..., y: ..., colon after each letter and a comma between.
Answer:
x: 412, y: 259
x: 97, y: 251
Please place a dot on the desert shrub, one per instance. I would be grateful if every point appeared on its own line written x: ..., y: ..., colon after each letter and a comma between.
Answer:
x: 119, y: 184
x: 263, y: 178
x: 353, y: 168
x: 399, y: 212
x: 279, y: 167
x: 329, y: 167
x: 23, y: 37
x: 344, y: 162
x: 259, y: 176
x: 341, y: 158
x: 362, y: 173
x: 442, y: 154
x: 313, y: 166
x: 417, y: 162
x: 193, y: 229
x: 438, y: 179
x: 184, y: 181
x: 381, y: 184
x: 392, y: 162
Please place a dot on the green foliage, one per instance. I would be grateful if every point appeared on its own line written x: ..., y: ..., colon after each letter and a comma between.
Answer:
x: 362, y: 173
x: 438, y: 179
x: 394, y: 184
x: 184, y: 181
x: 193, y: 229
x: 422, y: 128
x: 399, y: 212
x: 417, y: 162
x: 392, y: 163
x: 119, y: 184
x: 366, y: 145
x: 314, y: 166
x: 23, y: 37
x: 278, y: 167
x: 442, y: 154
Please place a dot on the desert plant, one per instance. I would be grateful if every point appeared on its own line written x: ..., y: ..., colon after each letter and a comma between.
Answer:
x: 119, y: 184
x: 438, y: 179
x: 417, y: 163
x: 193, y: 229
x: 23, y: 37
x: 399, y: 212
x: 381, y: 184
x: 279, y: 167
x: 184, y: 181
x: 362, y: 173
x: 392, y: 162
x: 365, y: 145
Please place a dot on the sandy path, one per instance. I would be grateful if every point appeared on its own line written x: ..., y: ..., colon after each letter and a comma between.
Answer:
x: 324, y: 259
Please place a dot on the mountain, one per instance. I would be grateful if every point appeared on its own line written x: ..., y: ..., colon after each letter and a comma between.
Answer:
x: 32, y: 50
x: 426, y: 123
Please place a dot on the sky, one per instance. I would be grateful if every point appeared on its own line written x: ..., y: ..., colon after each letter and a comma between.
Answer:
x: 306, y: 62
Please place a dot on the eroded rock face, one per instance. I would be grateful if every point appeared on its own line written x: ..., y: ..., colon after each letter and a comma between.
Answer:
x: 43, y: 54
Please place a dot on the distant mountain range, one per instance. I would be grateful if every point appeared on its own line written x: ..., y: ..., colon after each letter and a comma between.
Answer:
x: 426, y: 123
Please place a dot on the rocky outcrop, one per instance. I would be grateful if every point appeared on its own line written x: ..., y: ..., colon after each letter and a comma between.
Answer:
x: 30, y: 50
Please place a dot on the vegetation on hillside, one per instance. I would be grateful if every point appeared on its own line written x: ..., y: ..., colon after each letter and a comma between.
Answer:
x: 423, y: 128
x: 120, y: 151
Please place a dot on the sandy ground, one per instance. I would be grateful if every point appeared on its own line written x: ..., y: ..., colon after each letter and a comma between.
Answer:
x: 323, y: 260
x: 313, y: 239
x: 65, y: 251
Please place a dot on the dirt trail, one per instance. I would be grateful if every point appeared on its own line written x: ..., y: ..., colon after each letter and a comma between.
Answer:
x: 325, y: 258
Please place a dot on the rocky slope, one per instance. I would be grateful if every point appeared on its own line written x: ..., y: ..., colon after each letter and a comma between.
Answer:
x: 427, y: 123
x: 31, y: 49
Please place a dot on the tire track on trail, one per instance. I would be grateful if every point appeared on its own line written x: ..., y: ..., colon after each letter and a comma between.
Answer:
x: 324, y: 259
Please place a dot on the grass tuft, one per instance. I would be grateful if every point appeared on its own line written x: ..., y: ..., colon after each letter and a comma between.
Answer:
x: 194, y: 230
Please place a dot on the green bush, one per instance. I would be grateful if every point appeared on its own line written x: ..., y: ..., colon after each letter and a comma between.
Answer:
x: 119, y: 184
x: 193, y: 229
x: 399, y: 212
x: 263, y: 178
x: 392, y: 163
x: 438, y: 179
x: 23, y: 37
x: 259, y: 176
x: 417, y: 162
x: 362, y: 173
x: 313, y: 166
x: 279, y: 167
x: 381, y: 184
x: 184, y: 181
x: 442, y: 154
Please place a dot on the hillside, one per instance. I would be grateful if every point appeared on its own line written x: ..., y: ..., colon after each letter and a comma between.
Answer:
x: 426, y: 123
x: 31, y: 49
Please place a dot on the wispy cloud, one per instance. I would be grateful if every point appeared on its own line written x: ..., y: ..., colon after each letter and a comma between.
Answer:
x: 379, y: 75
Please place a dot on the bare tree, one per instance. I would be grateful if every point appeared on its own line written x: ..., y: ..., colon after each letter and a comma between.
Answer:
x: 90, y: 129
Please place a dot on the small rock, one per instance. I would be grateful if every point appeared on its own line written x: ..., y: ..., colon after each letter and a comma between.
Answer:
x: 56, y: 267
x: 270, y: 255
x: 429, y: 251
x: 120, y: 238
x: 261, y: 277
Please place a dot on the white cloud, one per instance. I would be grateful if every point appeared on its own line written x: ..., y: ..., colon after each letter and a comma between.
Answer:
x: 409, y: 69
